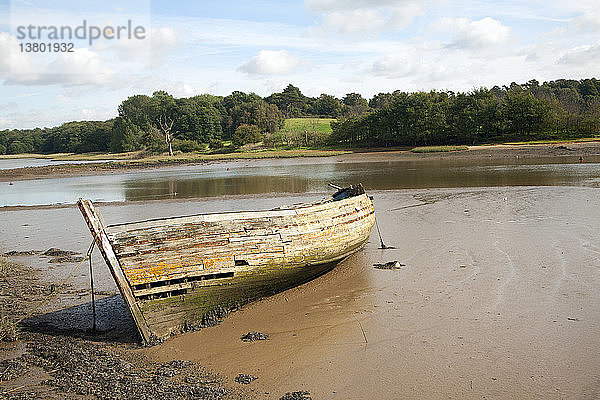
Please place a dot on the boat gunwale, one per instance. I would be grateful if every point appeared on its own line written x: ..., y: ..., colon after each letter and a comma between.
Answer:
x: 291, y: 208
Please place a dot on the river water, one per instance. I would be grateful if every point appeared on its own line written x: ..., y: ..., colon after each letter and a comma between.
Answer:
x: 298, y: 176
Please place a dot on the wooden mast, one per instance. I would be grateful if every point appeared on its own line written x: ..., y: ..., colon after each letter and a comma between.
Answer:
x: 96, y: 226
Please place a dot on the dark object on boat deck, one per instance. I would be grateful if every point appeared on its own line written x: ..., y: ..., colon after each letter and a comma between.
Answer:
x: 389, y: 265
x: 172, y: 272
x: 345, y: 193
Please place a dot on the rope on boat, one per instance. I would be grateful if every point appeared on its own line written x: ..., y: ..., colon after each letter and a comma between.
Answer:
x: 382, y: 246
x: 55, y: 291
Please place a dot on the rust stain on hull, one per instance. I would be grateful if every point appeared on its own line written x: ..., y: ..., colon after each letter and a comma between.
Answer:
x: 173, y: 271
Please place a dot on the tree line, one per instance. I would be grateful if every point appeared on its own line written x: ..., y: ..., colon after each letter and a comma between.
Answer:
x: 160, y: 122
x: 530, y: 111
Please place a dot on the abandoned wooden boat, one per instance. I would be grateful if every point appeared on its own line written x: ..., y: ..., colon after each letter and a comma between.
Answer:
x: 174, y: 272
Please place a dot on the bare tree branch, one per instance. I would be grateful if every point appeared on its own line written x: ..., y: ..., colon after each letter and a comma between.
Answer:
x: 166, y: 124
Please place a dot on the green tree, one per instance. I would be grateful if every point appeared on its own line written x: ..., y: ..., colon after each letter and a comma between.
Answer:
x: 354, y: 105
x: 251, y: 109
x: 291, y: 102
x: 16, y: 147
x: 381, y: 100
x: 246, y: 134
x: 523, y: 114
x: 197, y: 119
x: 327, y: 105
x: 139, y: 110
x: 95, y: 136
x: 124, y: 136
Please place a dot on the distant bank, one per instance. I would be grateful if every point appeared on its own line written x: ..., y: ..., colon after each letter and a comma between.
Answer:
x: 80, y: 165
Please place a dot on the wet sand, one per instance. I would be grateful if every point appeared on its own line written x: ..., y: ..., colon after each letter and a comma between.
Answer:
x: 499, y: 298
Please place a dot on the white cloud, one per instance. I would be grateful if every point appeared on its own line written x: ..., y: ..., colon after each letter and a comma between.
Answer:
x: 180, y: 89
x: 164, y: 41
x: 334, y: 5
x: 486, y: 32
x: 11, y: 105
x: 582, y: 55
x: 271, y: 62
x: 13, y: 60
x: 540, y: 52
x: 401, y: 17
x: 366, y: 17
x: 355, y: 21
x: 80, y: 67
x: 150, y: 51
x: 53, y: 116
x: 397, y: 65
x: 589, y: 21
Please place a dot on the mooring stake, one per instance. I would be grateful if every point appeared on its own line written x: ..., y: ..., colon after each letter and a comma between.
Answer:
x: 92, y: 286
x: 382, y: 246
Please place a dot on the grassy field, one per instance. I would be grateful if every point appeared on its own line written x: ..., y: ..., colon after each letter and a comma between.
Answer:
x: 438, y: 149
x: 301, y: 133
x: 318, y: 125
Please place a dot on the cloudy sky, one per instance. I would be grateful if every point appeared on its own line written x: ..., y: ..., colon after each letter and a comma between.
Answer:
x: 321, y: 46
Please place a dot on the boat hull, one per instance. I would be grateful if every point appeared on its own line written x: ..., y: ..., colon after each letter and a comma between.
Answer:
x: 177, y: 273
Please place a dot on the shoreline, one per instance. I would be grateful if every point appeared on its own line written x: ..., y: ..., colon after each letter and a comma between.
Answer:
x: 501, y: 151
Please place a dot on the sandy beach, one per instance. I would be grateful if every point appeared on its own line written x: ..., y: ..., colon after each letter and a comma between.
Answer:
x: 498, y: 298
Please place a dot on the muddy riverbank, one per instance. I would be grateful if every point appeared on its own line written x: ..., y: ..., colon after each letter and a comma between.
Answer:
x: 57, y: 355
x: 564, y: 151
x: 498, y: 298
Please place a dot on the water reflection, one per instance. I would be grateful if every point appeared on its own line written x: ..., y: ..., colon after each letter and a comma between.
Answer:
x: 141, y: 189
x: 296, y: 176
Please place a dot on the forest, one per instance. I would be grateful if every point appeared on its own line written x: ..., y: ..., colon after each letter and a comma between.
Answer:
x: 561, y: 109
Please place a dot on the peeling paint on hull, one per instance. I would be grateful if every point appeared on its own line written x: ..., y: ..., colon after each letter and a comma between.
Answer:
x: 173, y: 272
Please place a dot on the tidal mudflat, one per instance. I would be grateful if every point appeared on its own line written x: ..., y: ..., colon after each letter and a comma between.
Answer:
x: 498, y: 298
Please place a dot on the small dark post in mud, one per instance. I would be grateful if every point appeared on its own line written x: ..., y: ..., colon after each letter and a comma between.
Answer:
x: 92, y: 288
x: 382, y: 245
